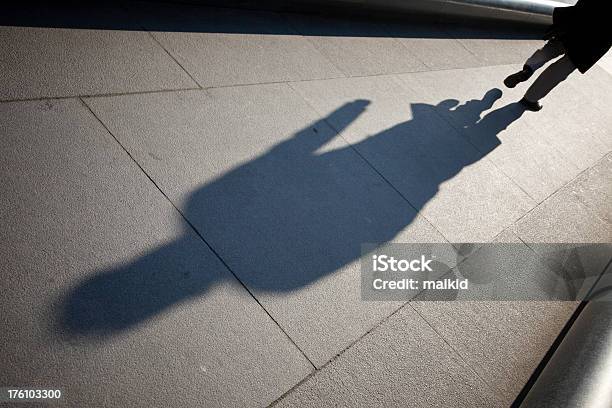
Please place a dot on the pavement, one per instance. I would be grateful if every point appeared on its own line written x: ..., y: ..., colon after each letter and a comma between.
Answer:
x: 185, y: 191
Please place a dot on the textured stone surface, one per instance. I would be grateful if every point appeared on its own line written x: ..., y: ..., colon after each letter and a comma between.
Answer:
x: 562, y: 218
x: 425, y: 159
x: 593, y: 188
x: 497, y: 47
x: 433, y: 45
x: 48, y: 62
x: 357, y: 47
x: 402, y: 363
x: 106, y: 287
x: 106, y: 292
x: 541, y: 151
x: 232, y: 47
x: 592, y: 90
x: 573, y: 125
x: 505, y: 269
x: 284, y: 200
x: 501, y: 338
x: 502, y: 341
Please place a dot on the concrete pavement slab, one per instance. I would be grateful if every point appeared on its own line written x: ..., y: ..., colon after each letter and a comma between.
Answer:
x: 275, y: 191
x: 53, y: 62
x: 572, y: 122
x: 402, y: 363
x: 432, y: 45
x: 540, y: 151
x: 594, y: 90
x: 103, y: 281
x: 502, y: 341
x: 564, y: 219
x: 455, y: 84
x: 505, y: 269
x: 357, y: 47
x: 573, y: 126
x: 414, y: 148
x: 593, y: 188
x: 497, y: 46
x: 221, y: 47
x: 102, y: 270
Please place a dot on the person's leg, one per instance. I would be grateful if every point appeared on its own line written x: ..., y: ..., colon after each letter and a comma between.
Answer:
x: 552, y: 76
x: 551, y: 50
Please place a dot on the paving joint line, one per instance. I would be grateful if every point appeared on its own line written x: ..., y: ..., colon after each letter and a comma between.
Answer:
x: 417, y: 212
x: 100, y: 95
x: 483, y: 155
x: 465, y: 47
x: 384, y: 319
x: 307, y: 39
x: 354, y: 342
x: 195, y: 230
x: 509, y: 227
x: 494, y: 390
x: 127, y: 93
x: 80, y: 97
x: 340, y: 353
x: 459, y: 134
x: 283, y: 16
x: 172, y: 57
x: 561, y: 187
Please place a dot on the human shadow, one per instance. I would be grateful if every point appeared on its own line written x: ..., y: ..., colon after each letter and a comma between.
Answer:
x: 296, y: 213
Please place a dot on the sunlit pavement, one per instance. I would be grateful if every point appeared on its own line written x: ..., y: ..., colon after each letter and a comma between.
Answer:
x: 185, y: 192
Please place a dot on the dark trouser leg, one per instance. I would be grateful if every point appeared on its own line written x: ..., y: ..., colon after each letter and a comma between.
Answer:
x: 551, y: 50
x: 551, y: 77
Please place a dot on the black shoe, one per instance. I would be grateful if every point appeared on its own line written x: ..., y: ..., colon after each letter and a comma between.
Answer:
x: 518, y: 77
x: 532, y: 106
